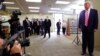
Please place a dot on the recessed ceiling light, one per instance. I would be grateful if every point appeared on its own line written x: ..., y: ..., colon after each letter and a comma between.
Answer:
x: 33, y: 0
x: 34, y: 7
x: 51, y: 11
x: 67, y: 9
x: 8, y: 2
x: 34, y: 10
x: 12, y: 8
x: 55, y: 8
x: 62, y: 2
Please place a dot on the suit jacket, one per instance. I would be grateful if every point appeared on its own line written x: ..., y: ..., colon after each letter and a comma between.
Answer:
x: 92, y: 21
x: 25, y: 24
x: 58, y: 24
x: 47, y: 23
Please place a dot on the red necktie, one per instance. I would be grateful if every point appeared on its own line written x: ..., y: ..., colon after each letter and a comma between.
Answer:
x: 86, y: 18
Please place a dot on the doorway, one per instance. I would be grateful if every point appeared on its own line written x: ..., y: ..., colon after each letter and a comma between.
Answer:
x: 57, y: 17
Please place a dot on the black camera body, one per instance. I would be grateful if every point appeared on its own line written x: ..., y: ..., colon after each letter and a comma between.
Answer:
x: 25, y: 43
x: 16, y: 13
x: 14, y: 16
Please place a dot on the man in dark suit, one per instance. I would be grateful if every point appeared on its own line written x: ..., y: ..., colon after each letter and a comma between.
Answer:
x: 47, y: 25
x: 58, y: 24
x: 34, y: 25
x: 88, y: 24
x: 41, y: 27
x: 27, y: 27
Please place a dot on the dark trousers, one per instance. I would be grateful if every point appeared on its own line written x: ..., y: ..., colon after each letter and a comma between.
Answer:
x: 63, y: 30
x: 38, y: 30
x: 31, y: 31
x: 58, y: 30
x: 87, y: 40
x: 47, y: 30
x: 41, y: 30
x: 35, y: 29
x: 27, y: 32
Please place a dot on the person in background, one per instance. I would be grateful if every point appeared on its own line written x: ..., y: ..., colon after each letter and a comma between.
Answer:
x: 58, y: 24
x: 88, y: 24
x: 34, y: 25
x: 38, y: 27
x: 31, y: 30
x: 63, y: 27
x: 27, y: 27
x: 47, y: 25
x: 41, y: 27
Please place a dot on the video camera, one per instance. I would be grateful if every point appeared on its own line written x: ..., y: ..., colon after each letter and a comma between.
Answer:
x: 14, y: 16
x: 16, y: 13
x: 24, y: 43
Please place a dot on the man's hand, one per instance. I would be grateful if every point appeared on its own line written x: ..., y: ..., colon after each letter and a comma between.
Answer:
x: 95, y: 30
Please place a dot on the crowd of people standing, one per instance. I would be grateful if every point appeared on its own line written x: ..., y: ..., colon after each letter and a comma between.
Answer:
x: 37, y: 26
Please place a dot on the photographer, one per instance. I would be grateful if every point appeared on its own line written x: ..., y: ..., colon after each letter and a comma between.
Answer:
x: 14, y: 24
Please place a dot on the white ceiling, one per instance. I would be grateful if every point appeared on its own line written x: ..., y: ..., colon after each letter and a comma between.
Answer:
x: 45, y: 6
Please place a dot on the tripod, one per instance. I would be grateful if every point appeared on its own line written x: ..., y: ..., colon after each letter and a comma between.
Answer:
x: 77, y: 40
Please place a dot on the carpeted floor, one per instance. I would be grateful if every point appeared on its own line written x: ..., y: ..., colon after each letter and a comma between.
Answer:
x: 55, y: 46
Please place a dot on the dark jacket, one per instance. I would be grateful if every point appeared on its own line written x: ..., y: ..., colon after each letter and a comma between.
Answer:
x: 58, y: 24
x: 26, y: 25
x: 47, y: 23
x: 92, y: 21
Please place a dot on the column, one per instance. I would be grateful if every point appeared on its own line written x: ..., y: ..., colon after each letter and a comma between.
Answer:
x: 96, y: 5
